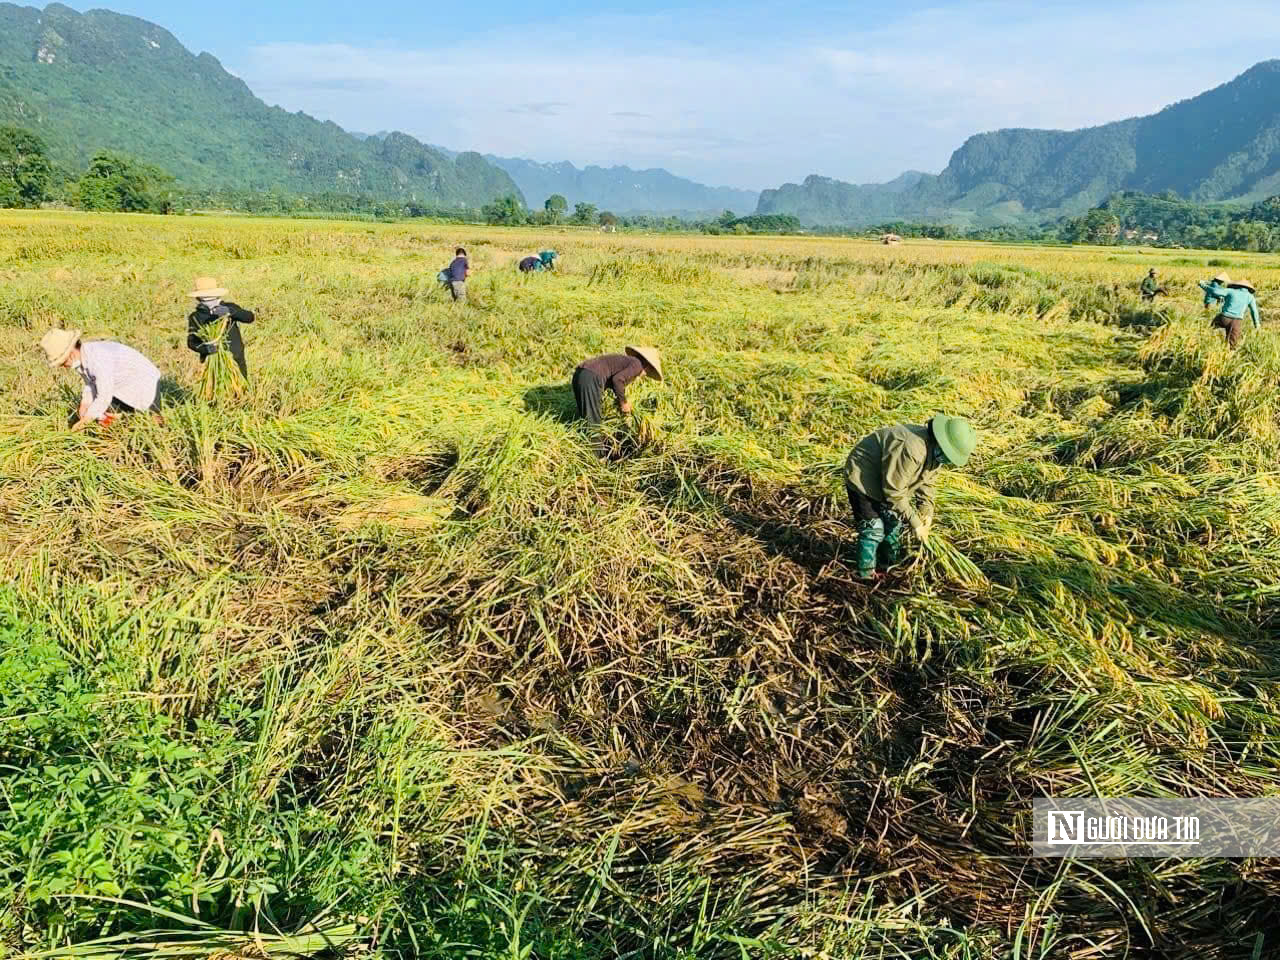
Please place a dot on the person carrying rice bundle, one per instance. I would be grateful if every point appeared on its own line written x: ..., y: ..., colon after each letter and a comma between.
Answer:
x: 213, y: 313
x: 116, y: 377
x: 1236, y: 300
x: 615, y: 371
x: 889, y: 478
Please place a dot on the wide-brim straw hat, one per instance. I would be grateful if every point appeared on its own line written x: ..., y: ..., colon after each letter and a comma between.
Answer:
x: 1221, y: 278
x: 1244, y: 283
x: 207, y: 287
x: 650, y: 357
x: 956, y: 437
x: 58, y: 344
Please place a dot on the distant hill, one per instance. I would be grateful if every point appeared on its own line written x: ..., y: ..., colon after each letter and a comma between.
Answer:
x: 98, y: 80
x: 622, y: 189
x: 1221, y: 145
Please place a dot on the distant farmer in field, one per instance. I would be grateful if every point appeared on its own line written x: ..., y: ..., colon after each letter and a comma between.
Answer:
x: 454, y: 276
x: 615, y: 371
x: 889, y: 473
x: 210, y: 307
x: 115, y: 377
x: 1151, y: 286
x: 1236, y: 300
x: 546, y: 260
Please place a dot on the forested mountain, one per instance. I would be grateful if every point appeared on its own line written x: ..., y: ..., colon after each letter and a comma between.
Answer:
x: 1221, y: 145
x: 621, y: 189
x: 84, y: 82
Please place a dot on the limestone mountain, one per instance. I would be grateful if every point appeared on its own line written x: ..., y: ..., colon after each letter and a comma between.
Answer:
x: 96, y: 80
x: 1221, y: 145
x: 622, y: 189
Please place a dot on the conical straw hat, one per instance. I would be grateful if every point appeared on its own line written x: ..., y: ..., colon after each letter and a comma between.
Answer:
x: 650, y: 357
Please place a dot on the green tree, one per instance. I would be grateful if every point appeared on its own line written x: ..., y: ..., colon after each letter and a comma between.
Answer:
x: 506, y: 211
x: 584, y: 213
x: 608, y: 219
x: 25, y: 170
x: 726, y: 219
x: 555, y: 207
x: 1249, y: 235
x: 117, y: 182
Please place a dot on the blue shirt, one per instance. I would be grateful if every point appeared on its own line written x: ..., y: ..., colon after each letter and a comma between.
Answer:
x: 457, y: 270
x: 1236, y: 301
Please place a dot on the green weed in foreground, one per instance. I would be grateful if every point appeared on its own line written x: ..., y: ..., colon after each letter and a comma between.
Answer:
x: 382, y: 652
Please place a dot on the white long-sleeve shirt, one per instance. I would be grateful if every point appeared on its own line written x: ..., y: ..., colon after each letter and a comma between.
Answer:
x: 112, y: 371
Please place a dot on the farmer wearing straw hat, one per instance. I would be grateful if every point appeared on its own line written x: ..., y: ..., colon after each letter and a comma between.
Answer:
x: 890, y: 471
x: 615, y: 371
x: 210, y: 307
x: 1236, y: 299
x: 115, y: 376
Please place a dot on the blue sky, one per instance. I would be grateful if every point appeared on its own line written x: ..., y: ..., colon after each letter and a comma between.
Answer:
x: 749, y: 94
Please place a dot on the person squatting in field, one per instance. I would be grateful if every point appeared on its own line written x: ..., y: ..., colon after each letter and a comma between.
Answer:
x: 1236, y: 299
x: 210, y: 307
x: 115, y: 377
x: 892, y: 470
x: 1151, y: 286
x: 546, y: 260
x: 615, y: 371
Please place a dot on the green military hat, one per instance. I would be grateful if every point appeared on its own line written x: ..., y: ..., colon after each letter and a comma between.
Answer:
x: 956, y: 437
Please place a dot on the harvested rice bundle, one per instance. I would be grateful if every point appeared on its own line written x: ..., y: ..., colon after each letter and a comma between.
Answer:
x: 222, y: 379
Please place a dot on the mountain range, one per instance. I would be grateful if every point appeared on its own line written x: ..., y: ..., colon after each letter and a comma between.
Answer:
x: 1221, y: 145
x: 96, y: 80
x: 622, y: 189
x: 85, y: 82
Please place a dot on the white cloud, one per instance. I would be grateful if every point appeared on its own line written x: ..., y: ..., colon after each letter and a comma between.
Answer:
x: 856, y: 103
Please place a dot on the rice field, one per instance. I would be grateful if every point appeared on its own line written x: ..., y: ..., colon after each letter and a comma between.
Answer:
x: 379, y: 659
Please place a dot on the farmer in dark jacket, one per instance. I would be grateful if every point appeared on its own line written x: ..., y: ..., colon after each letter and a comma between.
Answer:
x: 890, y: 477
x: 1151, y: 286
x: 615, y: 371
x: 530, y: 264
x: 456, y: 274
x: 211, y: 307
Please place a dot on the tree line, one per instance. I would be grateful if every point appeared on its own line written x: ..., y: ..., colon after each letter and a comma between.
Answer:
x: 114, y: 181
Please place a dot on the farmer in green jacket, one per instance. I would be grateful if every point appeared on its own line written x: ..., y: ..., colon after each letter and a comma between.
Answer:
x: 1236, y: 299
x: 890, y: 481
x: 1151, y: 286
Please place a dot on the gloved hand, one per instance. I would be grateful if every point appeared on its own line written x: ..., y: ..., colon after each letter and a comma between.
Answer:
x: 220, y: 311
x: 208, y: 349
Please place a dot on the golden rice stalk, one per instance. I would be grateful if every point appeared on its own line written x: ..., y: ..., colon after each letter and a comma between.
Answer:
x: 222, y: 379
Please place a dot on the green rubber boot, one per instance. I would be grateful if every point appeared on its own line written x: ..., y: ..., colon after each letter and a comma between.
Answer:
x: 892, y: 546
x: 870, y: 536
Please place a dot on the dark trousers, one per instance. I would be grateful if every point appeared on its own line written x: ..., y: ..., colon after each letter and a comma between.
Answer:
x: 588, y: 389
x: 1230, y: 326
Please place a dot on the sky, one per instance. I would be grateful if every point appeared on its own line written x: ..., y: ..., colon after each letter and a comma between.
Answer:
x: 748, y: 94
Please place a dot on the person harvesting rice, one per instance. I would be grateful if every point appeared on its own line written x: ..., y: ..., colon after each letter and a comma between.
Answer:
x: 890, y: 472
x: 1151, y: 286
x: 214, y: 315
x: 615, y: 371
x: 115, y: 377
x: 1237, y: 299
x: 455, y: 275
x: 546, y: 260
